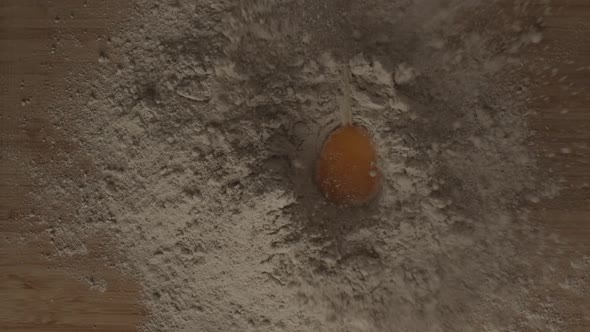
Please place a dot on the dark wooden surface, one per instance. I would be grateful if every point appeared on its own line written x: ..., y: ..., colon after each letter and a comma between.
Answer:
x: 40, y: 42
x: 41, y: 294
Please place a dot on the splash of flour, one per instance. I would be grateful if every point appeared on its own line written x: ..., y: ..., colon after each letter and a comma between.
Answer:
x: 203, y: 137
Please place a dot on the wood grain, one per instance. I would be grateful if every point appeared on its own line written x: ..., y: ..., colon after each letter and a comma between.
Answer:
x: 41, y: 41
x: 561, y: 118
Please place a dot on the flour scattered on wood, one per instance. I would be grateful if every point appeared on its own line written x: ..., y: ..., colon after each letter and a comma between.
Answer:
x: 202, y: 130
x: 96, y: 283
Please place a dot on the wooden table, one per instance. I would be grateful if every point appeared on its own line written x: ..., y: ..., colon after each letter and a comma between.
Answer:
x: 40, y: 293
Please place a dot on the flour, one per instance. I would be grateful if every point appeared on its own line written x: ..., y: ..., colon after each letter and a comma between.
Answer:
x: 96, y: 284
x: 202, y: 132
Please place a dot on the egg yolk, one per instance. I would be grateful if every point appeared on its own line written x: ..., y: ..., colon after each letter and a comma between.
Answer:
x: 347, y: 170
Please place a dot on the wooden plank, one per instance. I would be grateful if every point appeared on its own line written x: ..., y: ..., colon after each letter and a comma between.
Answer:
x: 38, y: 294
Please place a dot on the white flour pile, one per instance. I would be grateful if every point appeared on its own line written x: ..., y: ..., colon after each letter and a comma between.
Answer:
x: 200, y: 138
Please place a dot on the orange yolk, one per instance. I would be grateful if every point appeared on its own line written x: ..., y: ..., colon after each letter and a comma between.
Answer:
x: 347, y: 170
